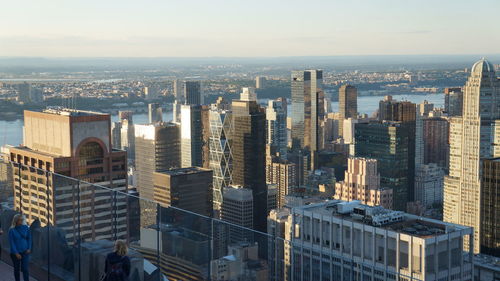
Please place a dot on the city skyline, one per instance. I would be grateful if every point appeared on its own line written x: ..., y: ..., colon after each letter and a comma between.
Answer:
x: 206, y: 29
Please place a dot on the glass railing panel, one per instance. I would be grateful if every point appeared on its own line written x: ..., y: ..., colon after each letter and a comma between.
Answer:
x: 185, y: 246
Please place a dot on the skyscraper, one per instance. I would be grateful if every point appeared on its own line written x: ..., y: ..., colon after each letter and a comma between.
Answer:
x: 155, y: 113
x: 362, y: 182
x: 277, y: 137
x: 185, y: 188
x: 248, y: 147
x: 388, y: 142
x: 472, y: 138
x: 157, y: 147
x: 490, y: 207
x: 221, y: 155
x: 405, y: 113
x: 307, y: 111
x: 348, y: 104
x: 76, y: 144
x: 192, y: 93
x: 191, y: 136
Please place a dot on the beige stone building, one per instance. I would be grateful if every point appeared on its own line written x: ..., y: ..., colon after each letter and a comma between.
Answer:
x: 362, y: 182
x: 473, y: 137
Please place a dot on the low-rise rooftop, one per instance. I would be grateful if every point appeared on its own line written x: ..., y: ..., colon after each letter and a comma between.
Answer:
x: 378, y: 216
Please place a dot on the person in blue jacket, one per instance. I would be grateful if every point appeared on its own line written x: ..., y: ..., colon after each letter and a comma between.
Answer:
x: 20, y: 247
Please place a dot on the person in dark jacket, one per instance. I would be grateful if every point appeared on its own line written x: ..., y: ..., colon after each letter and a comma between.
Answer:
x: 117, y: 266
x: 20, y: 247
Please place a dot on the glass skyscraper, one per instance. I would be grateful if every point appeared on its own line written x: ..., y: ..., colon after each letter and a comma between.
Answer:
x: 307, y: 111
x: 388, y: 142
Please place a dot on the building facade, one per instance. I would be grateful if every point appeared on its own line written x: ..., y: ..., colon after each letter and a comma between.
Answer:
x: 490, y: 208
x: 192, y: 93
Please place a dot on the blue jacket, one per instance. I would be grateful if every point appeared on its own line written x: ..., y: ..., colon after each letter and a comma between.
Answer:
x: 19, y: 239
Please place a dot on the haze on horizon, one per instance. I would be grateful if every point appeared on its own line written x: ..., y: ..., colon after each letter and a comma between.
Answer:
x: 199, y: 28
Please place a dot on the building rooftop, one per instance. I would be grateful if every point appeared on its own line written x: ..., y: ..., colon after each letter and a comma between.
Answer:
x: 58, y: 110
x: 487, y: 261
x: 378, y: 216
x: 183, y: 171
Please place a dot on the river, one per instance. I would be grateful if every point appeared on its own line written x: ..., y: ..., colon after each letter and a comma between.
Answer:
x: 11, y: 132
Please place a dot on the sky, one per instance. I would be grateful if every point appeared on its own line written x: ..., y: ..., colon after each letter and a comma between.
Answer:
x: 247, y: 28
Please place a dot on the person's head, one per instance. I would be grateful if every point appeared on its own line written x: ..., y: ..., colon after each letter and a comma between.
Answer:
x: 121, y: 248
x: 17, y: 220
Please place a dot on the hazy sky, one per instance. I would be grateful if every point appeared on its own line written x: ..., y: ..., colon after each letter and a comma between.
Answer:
x: 186, y: 28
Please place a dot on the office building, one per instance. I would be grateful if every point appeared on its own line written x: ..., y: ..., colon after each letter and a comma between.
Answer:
x: 249, y: 162
x: 283, y: 174
x: 348, y: 104
x: 157, y: 148
x: 362, y: 182
x: 392, y: 110
x: 277, y: 135
x: 429, y: 180
x: 436, y: 141
x: 238, y: 208
x: 490, y: 207
x: 406, y: 113
x: 307, y: 112
x: 191, y: 136
x: 338, y: 240
x: 453, y: 101
x: 192, y: 93
x: 75, y: 144
x: 473, y: 136
x: 155, y: 113
x: 388, y: 143
x: 220, y: 155
x: 189, y: 189
x: 176, y: 112
x: 260, y: 82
